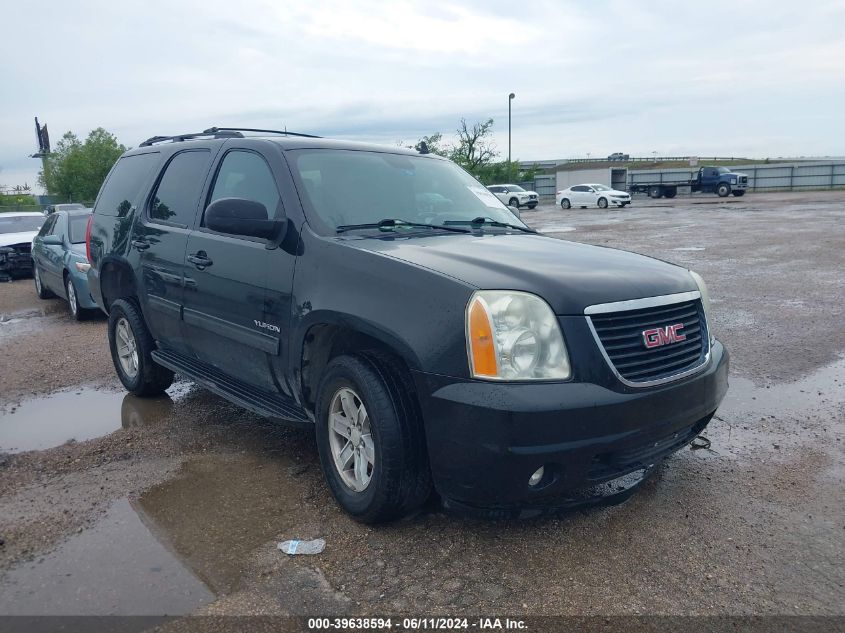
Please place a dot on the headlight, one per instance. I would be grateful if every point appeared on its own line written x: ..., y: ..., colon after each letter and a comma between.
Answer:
x: 705, y: 301
x: 514, y: 336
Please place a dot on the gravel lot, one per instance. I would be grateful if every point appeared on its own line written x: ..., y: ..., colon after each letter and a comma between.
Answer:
x: 175, y: 505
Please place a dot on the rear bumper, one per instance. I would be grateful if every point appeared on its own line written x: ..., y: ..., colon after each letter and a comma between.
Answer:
x: 486, y: 439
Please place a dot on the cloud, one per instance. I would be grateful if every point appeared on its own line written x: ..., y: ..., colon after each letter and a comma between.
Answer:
x: 751, y: 78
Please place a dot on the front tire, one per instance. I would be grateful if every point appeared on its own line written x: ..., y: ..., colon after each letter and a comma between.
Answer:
x: 513, y: 202
x: 565, y: 204
x: 724, y: 190
x: 40, y: 290
x: 131, y: 346
x: 602, y: 203
x: 370, y: 438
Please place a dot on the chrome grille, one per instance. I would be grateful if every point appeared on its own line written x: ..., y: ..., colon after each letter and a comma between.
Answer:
x: 621, y: 335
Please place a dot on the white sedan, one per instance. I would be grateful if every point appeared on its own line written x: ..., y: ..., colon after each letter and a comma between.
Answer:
x: 515, y: 196
x: 585, y: 196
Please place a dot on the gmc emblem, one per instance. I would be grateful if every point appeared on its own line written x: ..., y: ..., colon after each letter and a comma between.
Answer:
x: 659, y: 336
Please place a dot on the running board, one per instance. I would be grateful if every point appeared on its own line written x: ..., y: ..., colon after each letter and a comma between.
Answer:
x: 269, y: 405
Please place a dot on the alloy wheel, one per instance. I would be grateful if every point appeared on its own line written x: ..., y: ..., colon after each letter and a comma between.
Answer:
x: 127, y: 348
x: 351, y: 439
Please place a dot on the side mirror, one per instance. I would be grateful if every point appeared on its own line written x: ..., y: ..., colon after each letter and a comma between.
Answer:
x: 52, y: 240
x: 506, y: 190
x: 239, y: 216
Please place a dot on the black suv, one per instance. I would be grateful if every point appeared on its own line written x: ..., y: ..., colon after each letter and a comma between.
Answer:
x: 385, y: 298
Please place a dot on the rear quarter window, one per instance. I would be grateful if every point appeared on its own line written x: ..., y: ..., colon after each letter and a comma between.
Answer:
x: 121, y: 189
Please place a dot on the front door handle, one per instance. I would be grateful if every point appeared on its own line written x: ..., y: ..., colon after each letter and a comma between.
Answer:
x: 141, y: 245
x: 200, y: 259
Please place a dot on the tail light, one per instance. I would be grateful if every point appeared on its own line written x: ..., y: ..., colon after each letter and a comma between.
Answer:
x: 88, y: 237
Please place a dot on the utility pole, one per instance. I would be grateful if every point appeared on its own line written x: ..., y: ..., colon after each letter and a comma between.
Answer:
x: 510, y: 98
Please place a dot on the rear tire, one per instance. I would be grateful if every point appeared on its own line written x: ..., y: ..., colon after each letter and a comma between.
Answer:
x: 76, y: 312
x: 602, y: 203
x: 655, y: 192
x: 565, y: 204
x: 670, y: 192
x: 724, y: 190
x: 397, y: 481
x: 131, y: 346
x: 40, y: 290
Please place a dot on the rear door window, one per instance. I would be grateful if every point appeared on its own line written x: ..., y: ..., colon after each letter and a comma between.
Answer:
x: 177, y: 195
x: 124, y: 184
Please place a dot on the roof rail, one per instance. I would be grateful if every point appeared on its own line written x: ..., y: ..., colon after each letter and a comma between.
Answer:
x: 184, y: 137
x: 217, y: 130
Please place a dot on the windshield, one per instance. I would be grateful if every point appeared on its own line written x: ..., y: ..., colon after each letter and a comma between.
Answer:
x: 20, y: 223
x: 78, y: 223
x: 600, y: 187
x: 345, y: 187
x: 515, y: 188
x: 723, y: 170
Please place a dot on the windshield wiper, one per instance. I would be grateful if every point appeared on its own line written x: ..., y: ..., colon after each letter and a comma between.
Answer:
x: 391, y: 223
x: 480, y: 221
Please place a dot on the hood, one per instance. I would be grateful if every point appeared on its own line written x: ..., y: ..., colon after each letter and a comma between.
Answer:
x: 10, y: 239
x: 616, y: 192
x: 568, y: 275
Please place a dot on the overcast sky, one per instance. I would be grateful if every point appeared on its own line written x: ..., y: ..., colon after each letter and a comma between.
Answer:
x: 735, y: 78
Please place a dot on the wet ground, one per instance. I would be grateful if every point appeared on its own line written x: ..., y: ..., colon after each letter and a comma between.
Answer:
x: 113, y: 504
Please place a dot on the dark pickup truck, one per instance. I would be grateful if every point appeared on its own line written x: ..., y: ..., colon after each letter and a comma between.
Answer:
x: 718, y: 180
x: 445, y: 348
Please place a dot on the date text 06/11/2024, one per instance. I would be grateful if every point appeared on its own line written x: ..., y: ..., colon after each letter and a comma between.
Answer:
x: 416, y: 624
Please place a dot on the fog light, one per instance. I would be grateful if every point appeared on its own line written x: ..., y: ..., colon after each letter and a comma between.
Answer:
x: 537, y: 476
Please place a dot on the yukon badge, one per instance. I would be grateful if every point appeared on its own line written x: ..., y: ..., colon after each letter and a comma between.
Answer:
x: 267, y: 326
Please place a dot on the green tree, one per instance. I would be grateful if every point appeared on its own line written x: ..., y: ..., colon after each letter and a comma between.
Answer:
x: 76, y: 170
x: 475, y: 148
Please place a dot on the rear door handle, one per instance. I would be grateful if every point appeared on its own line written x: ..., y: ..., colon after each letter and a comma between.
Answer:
x: 200, y: 259
x: 141, y: 245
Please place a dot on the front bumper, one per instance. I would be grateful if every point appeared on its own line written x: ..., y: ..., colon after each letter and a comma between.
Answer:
x: 486, y: 439
x: 15, y: 262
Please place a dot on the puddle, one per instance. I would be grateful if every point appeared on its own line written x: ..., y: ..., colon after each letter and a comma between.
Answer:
x: 823, y: 388
x: 78, y: 414
x: 115, y: 568
x: 172, y: 550
x: 219, y: 508
x: 556, y: 228
x: 780, y: 416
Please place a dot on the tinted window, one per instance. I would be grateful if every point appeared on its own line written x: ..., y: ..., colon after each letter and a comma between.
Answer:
x: 124, y: 184
x: 246, y: 175
x: 20, y: 223
x: 59, y: 228
x: 78, y: 224
x: 176, y: 196
x: 48, y: 226
x: 496, y: 189
x: 579, y: 188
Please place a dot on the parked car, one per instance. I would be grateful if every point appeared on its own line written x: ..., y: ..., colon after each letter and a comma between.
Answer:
x: 594, y: 195
x: 17, y: 229
x: 515, y: 196
x: 60, y: 265
x: 457, y: 350
x: 65, y: 206
x: 618, y: 156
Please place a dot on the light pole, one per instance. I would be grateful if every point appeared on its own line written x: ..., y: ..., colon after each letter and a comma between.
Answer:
x: 510, y: 98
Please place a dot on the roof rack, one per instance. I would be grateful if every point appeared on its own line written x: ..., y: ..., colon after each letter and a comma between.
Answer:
x: 184, y: 137
x: 217, y: 130
x: 220, y: 132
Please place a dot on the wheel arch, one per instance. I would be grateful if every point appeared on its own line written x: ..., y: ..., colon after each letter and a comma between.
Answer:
x: 328, y: 336
x: 117, y: 281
